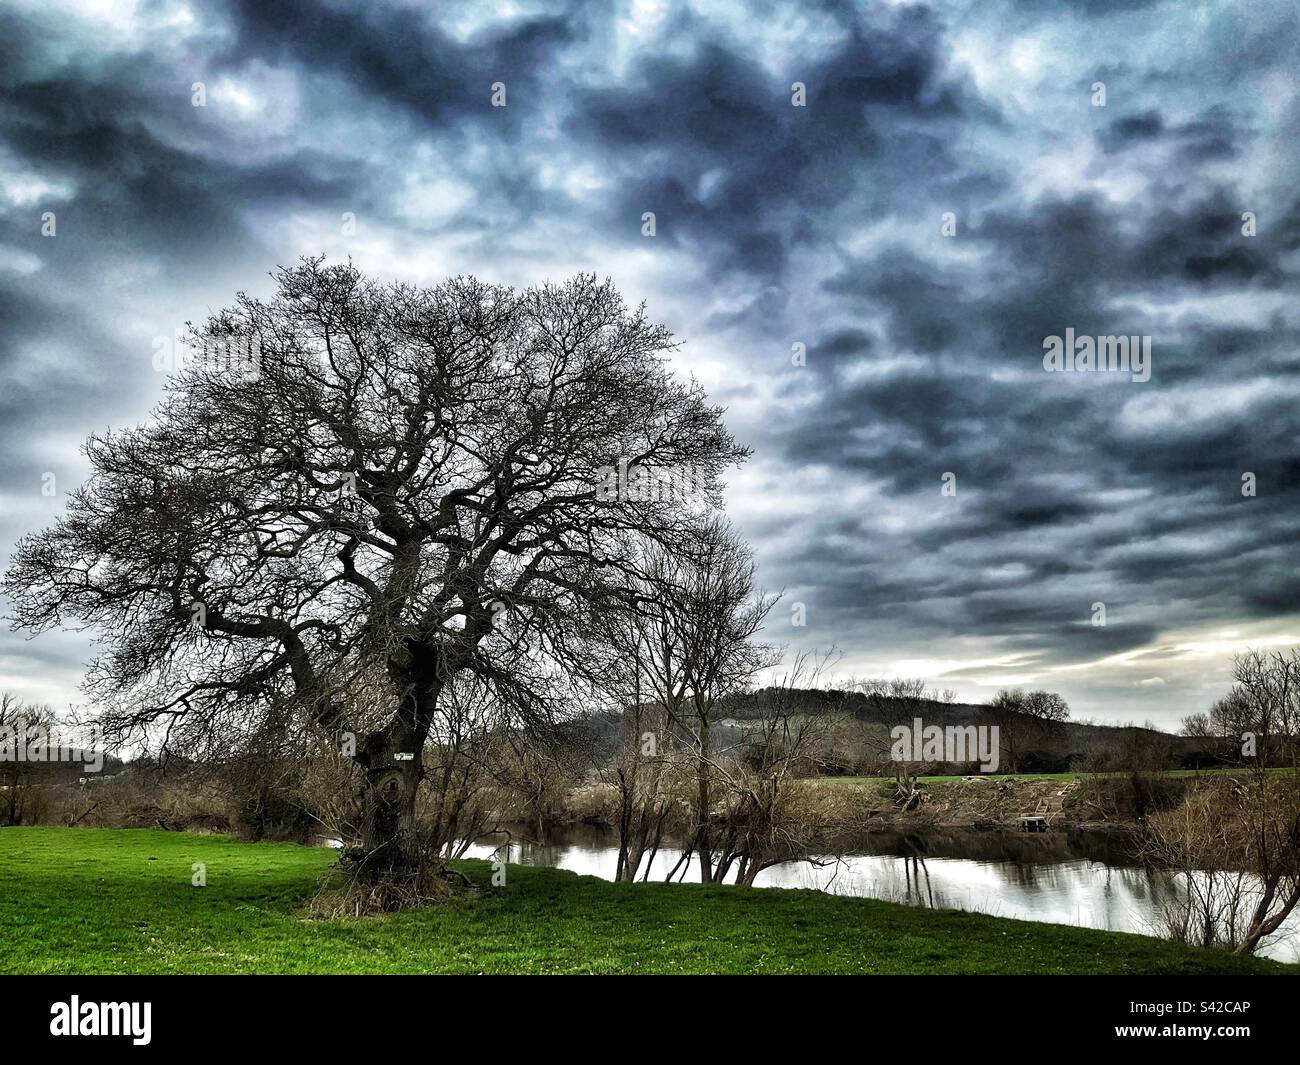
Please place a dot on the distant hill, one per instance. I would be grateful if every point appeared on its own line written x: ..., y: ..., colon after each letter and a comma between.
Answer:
x: 1071, y: 745
x: 1056, y: 748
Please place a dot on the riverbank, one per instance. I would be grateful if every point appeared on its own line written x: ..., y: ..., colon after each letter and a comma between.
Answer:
x: 123, y: 901
x: 846, y: 807
x: 1064, y: 800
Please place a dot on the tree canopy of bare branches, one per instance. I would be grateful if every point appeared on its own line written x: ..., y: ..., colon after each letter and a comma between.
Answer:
x: 406, y: 489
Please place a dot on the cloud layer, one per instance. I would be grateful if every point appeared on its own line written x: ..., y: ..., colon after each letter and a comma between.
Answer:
x: 776, y: 225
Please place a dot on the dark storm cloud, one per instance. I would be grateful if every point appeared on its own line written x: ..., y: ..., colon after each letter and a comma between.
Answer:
x: 677, y: 122
x: 35, y: 406
x: 137, y: 193
x: 1132, y: 130
x: 399, y: 55
x: 1215, y: 135
x: 1090, y: 8
x: 1081, y: 641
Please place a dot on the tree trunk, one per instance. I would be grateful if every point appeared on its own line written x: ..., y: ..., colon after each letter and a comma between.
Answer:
x: 388, y: 794
x: 703, y: 813
x: 624, y: 824
x: 393, y: 761
x: 1262, y: 925
x: 388, y: 817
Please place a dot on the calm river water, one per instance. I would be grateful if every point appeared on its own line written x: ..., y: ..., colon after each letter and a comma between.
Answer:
x: 1078, y: 879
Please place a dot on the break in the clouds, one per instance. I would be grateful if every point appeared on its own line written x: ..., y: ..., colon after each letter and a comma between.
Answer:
x: 949, y: 195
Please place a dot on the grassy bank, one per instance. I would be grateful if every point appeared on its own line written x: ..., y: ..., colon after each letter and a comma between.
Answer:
x: 121, y: 901
x: 999, y: 799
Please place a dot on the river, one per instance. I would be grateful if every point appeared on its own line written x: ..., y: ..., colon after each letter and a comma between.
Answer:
x: 1084, y: 879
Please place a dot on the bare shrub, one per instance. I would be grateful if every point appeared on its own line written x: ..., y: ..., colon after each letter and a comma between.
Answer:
x: 1236, y: 845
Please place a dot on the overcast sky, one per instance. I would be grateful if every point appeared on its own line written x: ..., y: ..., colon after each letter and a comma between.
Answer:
x: 775, y: 225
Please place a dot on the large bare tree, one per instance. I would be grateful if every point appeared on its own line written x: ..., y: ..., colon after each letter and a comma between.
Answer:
x: 412, y: 483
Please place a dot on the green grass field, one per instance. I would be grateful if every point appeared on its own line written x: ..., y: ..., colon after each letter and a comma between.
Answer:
x: 99, y: 901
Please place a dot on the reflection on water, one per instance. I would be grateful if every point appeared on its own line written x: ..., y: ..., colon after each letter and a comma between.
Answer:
x: 1088, y: 880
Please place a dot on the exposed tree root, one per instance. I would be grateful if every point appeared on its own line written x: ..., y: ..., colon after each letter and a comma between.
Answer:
x: 356, y: 888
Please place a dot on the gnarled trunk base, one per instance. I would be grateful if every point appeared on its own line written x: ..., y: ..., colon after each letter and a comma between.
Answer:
x: 358, y: 889
x: 395, y: 867
x: 389, y: 840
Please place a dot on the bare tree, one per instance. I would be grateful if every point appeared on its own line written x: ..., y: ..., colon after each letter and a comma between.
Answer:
x: 1264, y: 704
x: 640, y: 759
x: 643, y: 769
x: 771, y: 818
x: 23, y: 780
x: 893, y: 702
x: 1199, y: 726
x: 534, y: 767
x: 697, y: 619
x: 1021, y: 716
x: 465, y: 757
x: 1261, y: 712
x: 413, y: 484
x: 1236, y: 844
x: 1236, y: 841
